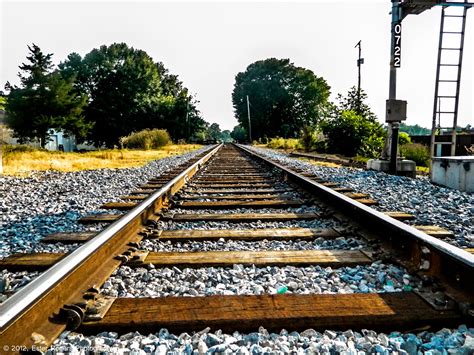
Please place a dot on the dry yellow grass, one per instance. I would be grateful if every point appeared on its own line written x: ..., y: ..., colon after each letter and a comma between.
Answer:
x: 21, y: 163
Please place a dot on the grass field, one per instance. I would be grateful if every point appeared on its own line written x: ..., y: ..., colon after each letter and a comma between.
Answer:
x: 20, y: 163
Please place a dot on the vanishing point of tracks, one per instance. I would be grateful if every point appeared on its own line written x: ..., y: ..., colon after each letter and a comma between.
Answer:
x: 234, y: 185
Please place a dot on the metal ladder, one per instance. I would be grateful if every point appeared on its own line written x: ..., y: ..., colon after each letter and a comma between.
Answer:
x: 448, y: 76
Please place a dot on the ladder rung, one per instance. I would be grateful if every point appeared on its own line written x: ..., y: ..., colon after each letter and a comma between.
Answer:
x: 451, y: 49
x: 449, y: 65
x: 447, y: 97
x: 445, y: 112
x: 442, y: 143
x: 453, y: 16
x: 447, y: 81
x: 452, y: 32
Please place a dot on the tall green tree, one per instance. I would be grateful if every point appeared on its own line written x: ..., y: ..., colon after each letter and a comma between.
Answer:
x: 282, y: 98
x: 353, y: 101
x: 214, y: 131
x: 44, y: 101
x: 225, y: 136
x: 239, y: 134
x: 129, y: 92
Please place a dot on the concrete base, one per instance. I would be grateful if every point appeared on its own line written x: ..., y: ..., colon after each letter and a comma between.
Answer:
x: 454, y: 172
x: 404, y: 167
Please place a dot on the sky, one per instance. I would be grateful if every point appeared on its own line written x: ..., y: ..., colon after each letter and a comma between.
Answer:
x: 207, y: 43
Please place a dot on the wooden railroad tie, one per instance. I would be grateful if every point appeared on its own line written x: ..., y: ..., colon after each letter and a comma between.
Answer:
x: 356, y: 195
x: 42, y: 261
x: 263, y: 258
x: 367, y: 201
x: 343, y: 189
x: 123, y: 206
x: 237, y: 173
x: 232, y: 197
x: 435, y: 231
x: 232, y: 185
x: 240, y: 181
x: 382, y: 312
x: 400, y: 216
x: 240, y: 204
x: 240, y: 217
x: 248, y: 234
x: 99, y: 218
x: 242, y: 191
x: 134, y: 197
x: 69, y: 238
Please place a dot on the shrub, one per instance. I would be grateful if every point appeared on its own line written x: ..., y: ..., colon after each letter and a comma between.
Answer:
x: 282, y: 143
x: 312, y: 139
x: 146, y: 139
x: 403, y: 138
x: 419, y: 153
x: 349, y: 134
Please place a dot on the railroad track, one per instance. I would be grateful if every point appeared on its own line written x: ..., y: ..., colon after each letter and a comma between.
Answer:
x: 248, y: 198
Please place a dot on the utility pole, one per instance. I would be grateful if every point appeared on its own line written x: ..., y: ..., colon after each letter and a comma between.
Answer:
x: 248, y: 114
x: 187, y: 121
x: 360, y: 61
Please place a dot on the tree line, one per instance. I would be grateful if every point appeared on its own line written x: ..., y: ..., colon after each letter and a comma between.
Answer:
x: 107, y: 94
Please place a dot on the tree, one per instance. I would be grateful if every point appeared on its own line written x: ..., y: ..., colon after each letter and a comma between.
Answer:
x: 225, y: 136
x: 353, y: 102
x: 239, y: 134
x: 282, y: 98
x: 44, y: 101
x: 214, y: 132
x: 129, y: 92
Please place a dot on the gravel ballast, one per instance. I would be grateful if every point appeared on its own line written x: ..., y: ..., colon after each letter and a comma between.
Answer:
x: 253, y: 280
x: 49, y: 202
x: 456, y: 341
x: 429, y: 203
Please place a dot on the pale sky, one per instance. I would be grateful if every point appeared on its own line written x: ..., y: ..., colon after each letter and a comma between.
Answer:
x: 207, y: 43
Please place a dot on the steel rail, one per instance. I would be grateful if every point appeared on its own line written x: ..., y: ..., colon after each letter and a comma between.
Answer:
x: 459, y: 274
x: 26, y: 297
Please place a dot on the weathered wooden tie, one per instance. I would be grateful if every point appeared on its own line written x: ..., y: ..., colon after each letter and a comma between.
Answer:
x: 356, y: 195
x: 242, y: 180
x: 30, y: 262
x: 241, y: 217
x: 240, y: 204
x: 401, y: 216
x: 134, y: 197
x: 381, y: 312
x: 99, y: 218
x: 263, y: 258
x: 343, y: 189
x: 123, y: 206
x: 231, y: 197
x: 240, y: 191
x: 329, y: 184
x: 435, y: 231
x: 248, y: 234
x: 69, y: 237
x: 367, y: 201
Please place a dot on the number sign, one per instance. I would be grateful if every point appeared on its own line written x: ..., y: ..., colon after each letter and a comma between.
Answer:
x: 397, y: 44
